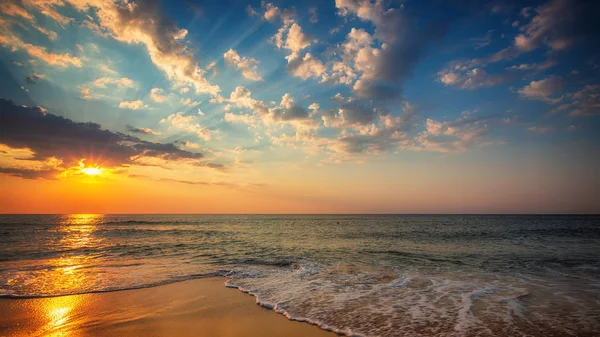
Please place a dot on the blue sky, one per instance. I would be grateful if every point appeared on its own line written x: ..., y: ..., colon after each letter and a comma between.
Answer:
x: 300, y: 98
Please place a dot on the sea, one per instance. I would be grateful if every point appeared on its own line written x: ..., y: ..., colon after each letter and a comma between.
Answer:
x: 357, y: 275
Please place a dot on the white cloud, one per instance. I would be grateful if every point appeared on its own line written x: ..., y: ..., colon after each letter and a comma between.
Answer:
x: 157, y: 95
x: 286, y: 112
x: 382, y: 61
x: 189, y: 102
x: 306, y: 67
x: 7, y: 39
x: 271, y: 12
x: 123, y: 82
x: 186, y: 123
x: 145, y: 23
x: 471, y: 79
x: 105, y: 69
x: 452, y: 136
x: 247, y: 65
x: 132, y: 105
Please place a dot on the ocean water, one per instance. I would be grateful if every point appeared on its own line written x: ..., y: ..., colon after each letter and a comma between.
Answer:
x: 372, y: 275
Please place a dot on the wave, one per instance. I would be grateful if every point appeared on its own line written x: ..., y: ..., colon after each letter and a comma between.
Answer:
x: 267, y: 262
x: 277, y: 309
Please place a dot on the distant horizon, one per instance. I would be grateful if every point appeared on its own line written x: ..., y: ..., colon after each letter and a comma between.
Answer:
x: 332, y: 214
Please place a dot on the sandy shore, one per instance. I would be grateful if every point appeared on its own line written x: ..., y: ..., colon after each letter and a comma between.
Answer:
x: 201, y: 307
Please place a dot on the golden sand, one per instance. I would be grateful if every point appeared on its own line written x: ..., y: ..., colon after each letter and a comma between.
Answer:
x: 201, y: 307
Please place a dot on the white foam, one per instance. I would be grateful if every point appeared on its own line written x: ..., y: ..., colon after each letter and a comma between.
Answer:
x: 361, y: 300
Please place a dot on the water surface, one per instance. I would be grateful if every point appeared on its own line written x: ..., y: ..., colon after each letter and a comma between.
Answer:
x: 374, y: 275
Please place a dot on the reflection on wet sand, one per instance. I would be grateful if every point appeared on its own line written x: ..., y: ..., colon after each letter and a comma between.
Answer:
x: 59, y: 314
x: 197, y: 308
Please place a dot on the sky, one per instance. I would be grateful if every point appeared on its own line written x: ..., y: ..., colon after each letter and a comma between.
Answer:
x: 328, y: 106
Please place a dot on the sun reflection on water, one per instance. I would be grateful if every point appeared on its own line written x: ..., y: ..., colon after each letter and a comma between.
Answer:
x: 68, y: 275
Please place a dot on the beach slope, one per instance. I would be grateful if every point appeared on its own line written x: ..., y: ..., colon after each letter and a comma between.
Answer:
x: 202, y: 307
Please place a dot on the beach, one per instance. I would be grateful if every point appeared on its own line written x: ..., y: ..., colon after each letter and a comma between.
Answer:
x: 201, y: 307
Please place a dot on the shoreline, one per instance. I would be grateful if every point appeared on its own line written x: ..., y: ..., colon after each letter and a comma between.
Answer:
x: 198, y: 307
x: 145, y: 286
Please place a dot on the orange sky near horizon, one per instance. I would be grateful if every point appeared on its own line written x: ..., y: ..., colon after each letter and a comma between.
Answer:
x: 433, y: 189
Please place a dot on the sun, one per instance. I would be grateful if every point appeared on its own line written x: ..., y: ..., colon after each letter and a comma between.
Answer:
x: 92, y: 171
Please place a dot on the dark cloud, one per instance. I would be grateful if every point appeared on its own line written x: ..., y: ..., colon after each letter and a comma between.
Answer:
x: 48, y: 136
x: 30, y: 174
x: 133, y: 129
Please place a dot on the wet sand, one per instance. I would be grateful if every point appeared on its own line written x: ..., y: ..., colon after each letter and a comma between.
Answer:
x: 203, y: 307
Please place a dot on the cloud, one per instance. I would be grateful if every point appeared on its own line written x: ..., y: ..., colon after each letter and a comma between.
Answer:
x: 535, y: 66
x: 189, y: 102
x: 48, y: 8
x: 585, y: 102
x: 452, y: 136
x: 86, y: 93
x: 472, y: 79
x: 7, y: 39
x: 157, y: 95
x: 105, y: 69
x: 384, y: 132
x: 555, y: 24
x: 53, y: 139
x: 382, y: 61
x: 132, y: 105
x: 191, y: 145
x: 354, y: 115
x: 271, y: 12
x: 50, y: 34
x: 286, y: 112
x: 133, y: 129
x: 247, y: 65
x: 12, y: 9
x: 543, y: 89
x: 186, y: 123
x: 34, y: 78
x: 123, y: 82
x: 291, y: 37
x: 540, y: 129
x: 144, y: 22
x: 306, y: 67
